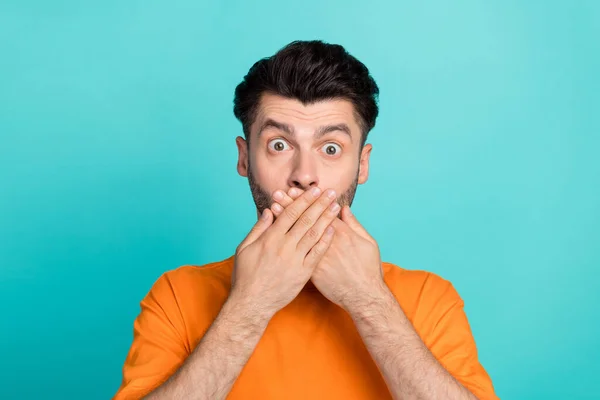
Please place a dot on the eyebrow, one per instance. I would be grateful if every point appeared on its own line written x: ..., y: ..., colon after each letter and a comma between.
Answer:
x: 322, y: 131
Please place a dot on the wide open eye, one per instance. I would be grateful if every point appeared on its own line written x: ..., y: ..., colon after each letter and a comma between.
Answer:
x: 278, y: 145
x: 332, y: 149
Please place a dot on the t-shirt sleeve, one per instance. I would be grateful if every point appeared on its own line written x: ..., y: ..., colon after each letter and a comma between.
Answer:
x: 159, y: 346
x: 451, y: 341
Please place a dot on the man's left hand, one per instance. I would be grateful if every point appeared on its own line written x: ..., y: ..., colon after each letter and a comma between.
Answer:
x: 350, y: 273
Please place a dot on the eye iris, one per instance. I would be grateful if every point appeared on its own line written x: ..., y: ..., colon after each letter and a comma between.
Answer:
x: 331, y: 150
x: 278, y: 146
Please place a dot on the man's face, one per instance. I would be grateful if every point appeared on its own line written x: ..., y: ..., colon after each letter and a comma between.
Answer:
x: 293, y: 145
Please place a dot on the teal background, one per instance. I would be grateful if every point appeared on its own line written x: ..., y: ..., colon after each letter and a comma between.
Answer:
x: 117, y: 163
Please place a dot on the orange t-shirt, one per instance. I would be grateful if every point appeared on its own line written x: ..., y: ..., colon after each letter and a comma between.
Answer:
x: 309, y: 350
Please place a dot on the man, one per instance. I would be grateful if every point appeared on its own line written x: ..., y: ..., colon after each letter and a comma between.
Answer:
x: 305, y: 309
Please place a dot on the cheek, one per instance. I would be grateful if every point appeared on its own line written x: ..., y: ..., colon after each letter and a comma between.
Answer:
x: 338, y: 177
x: 270, y: 175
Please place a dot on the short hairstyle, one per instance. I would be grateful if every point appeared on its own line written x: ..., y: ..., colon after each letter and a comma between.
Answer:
x: 309, y: 71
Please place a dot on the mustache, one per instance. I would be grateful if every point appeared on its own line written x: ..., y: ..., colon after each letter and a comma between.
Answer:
x: 263, y: 200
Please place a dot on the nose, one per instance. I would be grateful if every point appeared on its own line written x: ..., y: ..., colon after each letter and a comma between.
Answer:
x: 304, y: 172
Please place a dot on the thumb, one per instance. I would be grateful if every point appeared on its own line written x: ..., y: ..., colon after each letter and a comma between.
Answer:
x: 263, y: 223
x: 353, y: 223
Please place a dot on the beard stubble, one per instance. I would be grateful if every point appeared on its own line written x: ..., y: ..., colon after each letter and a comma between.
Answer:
x: 263, y: 200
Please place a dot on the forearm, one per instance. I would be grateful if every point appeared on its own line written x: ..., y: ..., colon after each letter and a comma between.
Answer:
x: 408, y: 367
x: 212, y: 368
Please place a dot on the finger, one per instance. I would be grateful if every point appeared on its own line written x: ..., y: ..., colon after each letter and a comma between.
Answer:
x: 281, y: 200
x: 318, y: 251
x: 263, y: 223
x: 307, y: 221
x: 291, y: 214
x: 340, y: 226
x: 314, y: 233
x: 353, y: 223
x: 294, y: 192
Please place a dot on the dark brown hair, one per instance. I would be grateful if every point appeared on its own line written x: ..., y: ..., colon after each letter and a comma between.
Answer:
x: 309, y: 71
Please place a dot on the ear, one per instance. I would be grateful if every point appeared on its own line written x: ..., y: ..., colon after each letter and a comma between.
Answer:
x: 363, y: 166
x: 242, y: 164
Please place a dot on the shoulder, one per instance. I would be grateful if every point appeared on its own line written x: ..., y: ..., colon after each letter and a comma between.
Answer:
x: 214, y: 273
x: 189, y: 298
x: 192, y: 282
x: 420, y: 292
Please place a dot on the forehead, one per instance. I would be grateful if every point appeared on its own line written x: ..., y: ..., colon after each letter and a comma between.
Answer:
x: 309, y: 116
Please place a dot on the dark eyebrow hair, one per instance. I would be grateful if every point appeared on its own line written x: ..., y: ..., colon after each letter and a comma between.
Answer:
x: 322, y: 131
x: 270, y: 123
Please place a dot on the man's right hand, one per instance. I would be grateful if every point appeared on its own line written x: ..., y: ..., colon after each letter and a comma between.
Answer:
x: 276, y: 259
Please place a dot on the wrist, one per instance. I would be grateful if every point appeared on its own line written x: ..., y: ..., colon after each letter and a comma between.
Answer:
x: 370, y: 302
x: 247, y: 308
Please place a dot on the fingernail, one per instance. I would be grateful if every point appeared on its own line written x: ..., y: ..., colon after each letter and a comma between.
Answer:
x: 278, y: 195
x: 349, y: 211
x: 315, y: 191
x: 331, y: 193
x: 264, y: 214
x: 277, y: 208
x: 335, y: 207
x: 329, y: 230
x: 293, y: 192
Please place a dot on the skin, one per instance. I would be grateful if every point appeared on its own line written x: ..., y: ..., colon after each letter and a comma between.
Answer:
x: 301, y: 178
x: 272, y: 265
x: 298, y: 157
x: 350, y: 275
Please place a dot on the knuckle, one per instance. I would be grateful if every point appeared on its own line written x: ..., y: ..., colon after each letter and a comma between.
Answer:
x: 317, y: 251
x: 312, y: 233
x: 306, y: 221
x: 291, y: 213
x: 324, y: 200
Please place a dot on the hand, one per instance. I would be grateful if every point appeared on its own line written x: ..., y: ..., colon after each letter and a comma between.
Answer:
x: 276, y: 259
x: 350, y: 273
